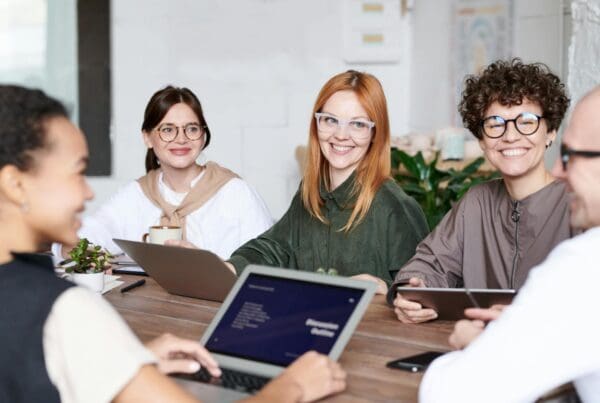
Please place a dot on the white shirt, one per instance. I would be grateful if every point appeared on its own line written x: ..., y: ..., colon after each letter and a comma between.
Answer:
x: 548, y: 336
x: 89, y: 351
x: 234, y: 215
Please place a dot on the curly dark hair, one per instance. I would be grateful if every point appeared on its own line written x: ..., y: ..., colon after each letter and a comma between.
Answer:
x: 23, y: 114
x: 509, y: 83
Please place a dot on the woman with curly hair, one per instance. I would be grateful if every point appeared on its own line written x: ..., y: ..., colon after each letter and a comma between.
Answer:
x: 500, y: 229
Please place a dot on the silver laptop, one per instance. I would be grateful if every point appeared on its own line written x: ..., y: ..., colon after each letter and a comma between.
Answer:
x: 270, y: 318
x: 189, y: 272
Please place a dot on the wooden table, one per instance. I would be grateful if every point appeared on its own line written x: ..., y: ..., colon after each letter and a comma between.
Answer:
x: 379, y: 338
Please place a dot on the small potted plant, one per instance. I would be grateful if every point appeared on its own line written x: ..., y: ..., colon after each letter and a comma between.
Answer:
x: 87, y: 264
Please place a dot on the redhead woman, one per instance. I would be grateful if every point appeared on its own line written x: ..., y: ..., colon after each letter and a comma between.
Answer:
x: 216, y: 209
x: 501, y: 229
x: 348, y: 214
x: 62, y: 343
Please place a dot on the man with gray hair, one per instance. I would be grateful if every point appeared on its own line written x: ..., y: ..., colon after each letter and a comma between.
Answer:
x: 550, y: 334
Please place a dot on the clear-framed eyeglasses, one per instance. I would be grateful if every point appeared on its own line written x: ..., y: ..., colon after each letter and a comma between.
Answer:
x: 357, y: 128
x: 169, y: 132
x: 526, y: 123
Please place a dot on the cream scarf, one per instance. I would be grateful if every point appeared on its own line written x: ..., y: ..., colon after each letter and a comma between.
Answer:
x: 207, y: 186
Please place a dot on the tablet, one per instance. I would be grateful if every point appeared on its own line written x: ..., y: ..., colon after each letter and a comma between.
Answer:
x: 450, y: 303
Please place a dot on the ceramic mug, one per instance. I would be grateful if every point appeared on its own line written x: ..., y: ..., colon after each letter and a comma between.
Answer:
x: 158, y: 234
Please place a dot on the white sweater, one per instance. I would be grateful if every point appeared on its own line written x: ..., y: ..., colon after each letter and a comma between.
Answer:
x: 549, y: 335
x: 234, y: 215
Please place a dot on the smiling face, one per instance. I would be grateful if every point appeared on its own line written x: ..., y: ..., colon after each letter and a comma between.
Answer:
x: 55, y: 188
x: 180, y: 153
x: 343, y: 152
x: 516, y: 155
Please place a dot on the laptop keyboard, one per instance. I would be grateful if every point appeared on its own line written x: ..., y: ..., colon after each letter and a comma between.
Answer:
x: 230, y: 379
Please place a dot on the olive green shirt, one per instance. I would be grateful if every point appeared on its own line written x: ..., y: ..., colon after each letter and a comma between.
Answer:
x: 379, y: 245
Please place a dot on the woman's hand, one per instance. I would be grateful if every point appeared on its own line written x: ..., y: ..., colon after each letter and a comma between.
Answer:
x: 382, y: 287
x: 410, y: 311
x: 181, y: 355
x: 309, y: 378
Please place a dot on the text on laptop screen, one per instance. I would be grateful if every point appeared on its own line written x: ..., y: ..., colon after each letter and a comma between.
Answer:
x: 275, y: 320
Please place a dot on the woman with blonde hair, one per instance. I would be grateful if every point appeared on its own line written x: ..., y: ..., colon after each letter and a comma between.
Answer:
x: 348, y: 214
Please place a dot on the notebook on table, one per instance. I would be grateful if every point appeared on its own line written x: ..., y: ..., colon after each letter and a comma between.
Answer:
x: 270, y: 318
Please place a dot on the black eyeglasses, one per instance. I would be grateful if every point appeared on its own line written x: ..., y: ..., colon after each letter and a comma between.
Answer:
x: 526, y: 123
x: 566, y: 153
x: 168, y: 132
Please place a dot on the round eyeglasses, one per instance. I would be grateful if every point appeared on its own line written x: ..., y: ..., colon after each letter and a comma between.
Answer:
x: 359, y: 129
x: 526, y: 123
x: 169, y: 132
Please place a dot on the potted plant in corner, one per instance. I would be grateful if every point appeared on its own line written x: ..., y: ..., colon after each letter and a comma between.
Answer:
x: 87, y: 264
x: 435, y: 190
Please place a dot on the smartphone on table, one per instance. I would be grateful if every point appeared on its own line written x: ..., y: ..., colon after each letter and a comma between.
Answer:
x: 415, y: 363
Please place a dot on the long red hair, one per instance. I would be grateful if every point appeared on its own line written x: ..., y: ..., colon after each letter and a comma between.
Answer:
x: 373, y: 169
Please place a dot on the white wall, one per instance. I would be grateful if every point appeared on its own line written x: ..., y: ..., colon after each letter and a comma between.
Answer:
x: 256, y: 66
x: 537, y: 36
x: 584, y: 61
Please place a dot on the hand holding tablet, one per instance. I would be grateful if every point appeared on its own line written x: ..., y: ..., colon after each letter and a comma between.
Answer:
x: 450, y: 303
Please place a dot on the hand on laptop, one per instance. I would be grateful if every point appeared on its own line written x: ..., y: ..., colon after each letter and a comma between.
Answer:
x: 313, y: 376
x: 412, y: 312
x: 181, y: 355
x: 467, y: 330
x: 382, y: 287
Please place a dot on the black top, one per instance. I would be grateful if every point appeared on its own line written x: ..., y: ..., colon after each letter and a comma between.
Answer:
x: 28, y: 289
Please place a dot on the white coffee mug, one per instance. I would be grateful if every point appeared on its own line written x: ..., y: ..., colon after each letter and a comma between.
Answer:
x: 158, y: 234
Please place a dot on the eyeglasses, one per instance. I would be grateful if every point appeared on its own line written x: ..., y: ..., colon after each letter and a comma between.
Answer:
x: 526, y: 123
x: 566, y: 153
x: 357, y: 128
x: 169, y: 132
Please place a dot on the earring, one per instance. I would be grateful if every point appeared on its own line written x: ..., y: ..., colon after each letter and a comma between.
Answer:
x: 549, y: 144
x: 25, y: 207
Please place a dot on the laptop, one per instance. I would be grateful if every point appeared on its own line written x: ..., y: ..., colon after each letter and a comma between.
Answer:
x: 189, y: 272
x: 271, y: 317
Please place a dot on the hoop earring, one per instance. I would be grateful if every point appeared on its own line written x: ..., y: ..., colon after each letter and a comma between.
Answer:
x: 549, y: 144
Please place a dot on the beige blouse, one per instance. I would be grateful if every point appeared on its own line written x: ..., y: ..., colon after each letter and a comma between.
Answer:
x: 90, y: 353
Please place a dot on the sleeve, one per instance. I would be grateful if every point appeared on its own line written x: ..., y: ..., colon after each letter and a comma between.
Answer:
x: 254, y: 214
x: 90, y: 353
x: 406, y: 227
x: 115, y: 218
x: 542, y: 340
x: 438, y: 258
x: 273, y: 247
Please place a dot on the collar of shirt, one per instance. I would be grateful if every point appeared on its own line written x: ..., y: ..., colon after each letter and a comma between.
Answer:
x: 343, y: 195
x: 38, y: 259
x: 171, y: 196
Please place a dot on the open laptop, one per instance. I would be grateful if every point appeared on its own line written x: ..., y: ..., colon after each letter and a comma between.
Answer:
x: 270, y: 318
x: 182, y: 271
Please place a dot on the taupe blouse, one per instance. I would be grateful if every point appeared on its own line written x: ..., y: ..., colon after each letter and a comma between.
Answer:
x: 489, y: 240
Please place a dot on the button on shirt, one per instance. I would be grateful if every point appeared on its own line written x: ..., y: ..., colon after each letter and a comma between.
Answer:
x: 378, y: 245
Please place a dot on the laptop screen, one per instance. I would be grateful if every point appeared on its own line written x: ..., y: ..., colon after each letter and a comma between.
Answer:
x: 275, y: 320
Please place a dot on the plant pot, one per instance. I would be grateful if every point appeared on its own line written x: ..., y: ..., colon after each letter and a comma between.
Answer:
x: 93, y: 281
